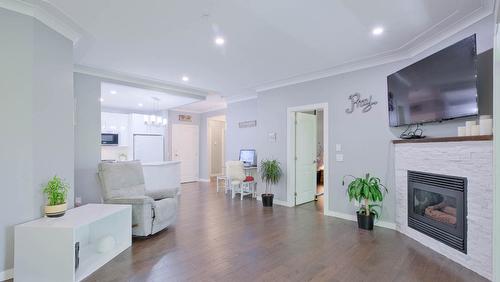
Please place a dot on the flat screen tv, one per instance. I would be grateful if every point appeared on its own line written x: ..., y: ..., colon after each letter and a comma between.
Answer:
x: 439, y: 87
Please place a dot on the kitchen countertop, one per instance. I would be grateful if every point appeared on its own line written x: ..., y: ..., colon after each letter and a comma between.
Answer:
x: 161, y: 163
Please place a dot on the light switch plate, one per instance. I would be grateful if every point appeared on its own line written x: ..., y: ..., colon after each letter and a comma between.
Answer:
x: 339, y: 157
x: 338, y: 147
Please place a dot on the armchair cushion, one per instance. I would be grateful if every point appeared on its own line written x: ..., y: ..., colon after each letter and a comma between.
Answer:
x: 163, y: 193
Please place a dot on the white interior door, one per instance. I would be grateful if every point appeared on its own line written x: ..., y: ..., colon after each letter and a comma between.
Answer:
x: 216, y: 136
x: 185, y: 140
x: 305, y: 157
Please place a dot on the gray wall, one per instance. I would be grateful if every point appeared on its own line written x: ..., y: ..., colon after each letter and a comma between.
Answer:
x: 87, y: 137
x: 204, y: 173
x: 365, y: 137
x: 242, y: 138
x: 36, y: 117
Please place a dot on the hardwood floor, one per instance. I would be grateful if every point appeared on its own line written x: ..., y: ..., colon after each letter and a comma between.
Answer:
x: 217, y: 238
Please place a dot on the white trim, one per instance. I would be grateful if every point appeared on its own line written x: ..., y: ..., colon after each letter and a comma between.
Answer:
x: 48, y: 15
x: 278, y: 202
x: 351, y: 217
x: 290, y: 145
x: 203, y: 180
x: 7, y: 274
x: 148, y: 82
x: 403, y: 52
x: 180, y: 109
x: 237, y: 99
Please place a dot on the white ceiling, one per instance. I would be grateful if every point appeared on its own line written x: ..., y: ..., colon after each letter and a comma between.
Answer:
x: 212, y: 102
x: 124, y: 97
x: 266, y: 41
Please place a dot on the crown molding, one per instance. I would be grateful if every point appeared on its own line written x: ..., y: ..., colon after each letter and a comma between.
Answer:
x: 407, y: 51
x: 145, y: 82
x: 236, y: 99
x: 484, y: 11
x: 339, y: 69
x: 48, y: 15
x: 180, y: 109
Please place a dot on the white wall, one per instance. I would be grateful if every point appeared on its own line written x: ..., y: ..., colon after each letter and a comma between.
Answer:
x: 36, y: 117
x: 365, y: 137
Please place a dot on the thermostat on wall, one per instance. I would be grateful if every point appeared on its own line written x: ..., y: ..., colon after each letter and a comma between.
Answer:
x: 271, y: 137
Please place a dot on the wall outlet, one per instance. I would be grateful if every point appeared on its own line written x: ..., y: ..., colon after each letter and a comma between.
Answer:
x: 78, y: 201
x: 338, y: 147
x: 339, y: 157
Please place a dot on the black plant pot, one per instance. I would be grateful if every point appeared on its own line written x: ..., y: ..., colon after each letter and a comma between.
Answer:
x: 364, y: 221
x: 267, y: 200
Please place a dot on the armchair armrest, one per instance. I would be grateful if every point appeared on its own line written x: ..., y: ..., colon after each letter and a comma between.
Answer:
x: 159, y: 194
x: 133, y: 200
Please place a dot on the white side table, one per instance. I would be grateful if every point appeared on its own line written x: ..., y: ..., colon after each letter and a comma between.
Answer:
x: 45, y: 248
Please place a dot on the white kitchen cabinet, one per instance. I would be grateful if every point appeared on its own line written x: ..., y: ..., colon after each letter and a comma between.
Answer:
x: 116, y: 123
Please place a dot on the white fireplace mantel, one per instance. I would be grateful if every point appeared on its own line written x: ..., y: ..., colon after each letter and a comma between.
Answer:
x: 470, y: 159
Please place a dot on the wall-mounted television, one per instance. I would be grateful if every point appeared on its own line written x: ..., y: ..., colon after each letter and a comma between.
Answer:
x: 439, y: 87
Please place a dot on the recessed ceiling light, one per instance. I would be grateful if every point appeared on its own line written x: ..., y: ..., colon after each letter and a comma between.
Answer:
x: 378, y: 31
x: 101, y: 99
x: 113, y: 92
x: 140, y: 105
x: 219, y: 41
x: 185, y: 78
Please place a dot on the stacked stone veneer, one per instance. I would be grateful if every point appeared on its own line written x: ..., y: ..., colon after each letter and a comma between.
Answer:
x: 471, y: 159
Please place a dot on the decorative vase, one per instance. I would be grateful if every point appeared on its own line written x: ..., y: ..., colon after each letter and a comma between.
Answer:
x: 56, y: 211
x: 364, y: 221
x: 267, y: 200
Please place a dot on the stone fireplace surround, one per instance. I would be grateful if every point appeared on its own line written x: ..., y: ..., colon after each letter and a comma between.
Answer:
x: 470, y: 159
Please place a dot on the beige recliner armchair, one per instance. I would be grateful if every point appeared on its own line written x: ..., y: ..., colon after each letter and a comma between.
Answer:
x: 123, y: 183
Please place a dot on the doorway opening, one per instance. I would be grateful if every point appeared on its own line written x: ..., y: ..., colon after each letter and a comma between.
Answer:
x: 216, y: 136
x: 307, y: 156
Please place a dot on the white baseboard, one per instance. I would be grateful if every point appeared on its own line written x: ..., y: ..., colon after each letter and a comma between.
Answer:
x: 203, y: 180
x: 278, y: 202
x: 7, y: 274
x: 351, y: 217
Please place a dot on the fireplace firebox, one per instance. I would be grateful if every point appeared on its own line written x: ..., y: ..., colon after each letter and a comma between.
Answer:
x: 437, y: 207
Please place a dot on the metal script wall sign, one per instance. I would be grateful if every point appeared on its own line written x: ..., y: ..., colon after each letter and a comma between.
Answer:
x: 356, y: 102
x: 246, y: 124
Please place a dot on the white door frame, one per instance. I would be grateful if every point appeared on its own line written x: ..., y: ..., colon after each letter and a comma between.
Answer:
x: 290, y: 155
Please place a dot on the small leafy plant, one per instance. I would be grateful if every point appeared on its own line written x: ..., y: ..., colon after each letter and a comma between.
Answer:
x: 367, y: 191
x: 56, y: 190
x: 270, y: 173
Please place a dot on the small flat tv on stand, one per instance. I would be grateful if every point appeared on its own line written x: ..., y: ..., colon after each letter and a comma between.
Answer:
x: 248, y: 157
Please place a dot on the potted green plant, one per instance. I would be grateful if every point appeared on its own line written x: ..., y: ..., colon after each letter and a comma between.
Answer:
x: 270, y: 173
x: 368, y: 192
x: 56, y: 191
